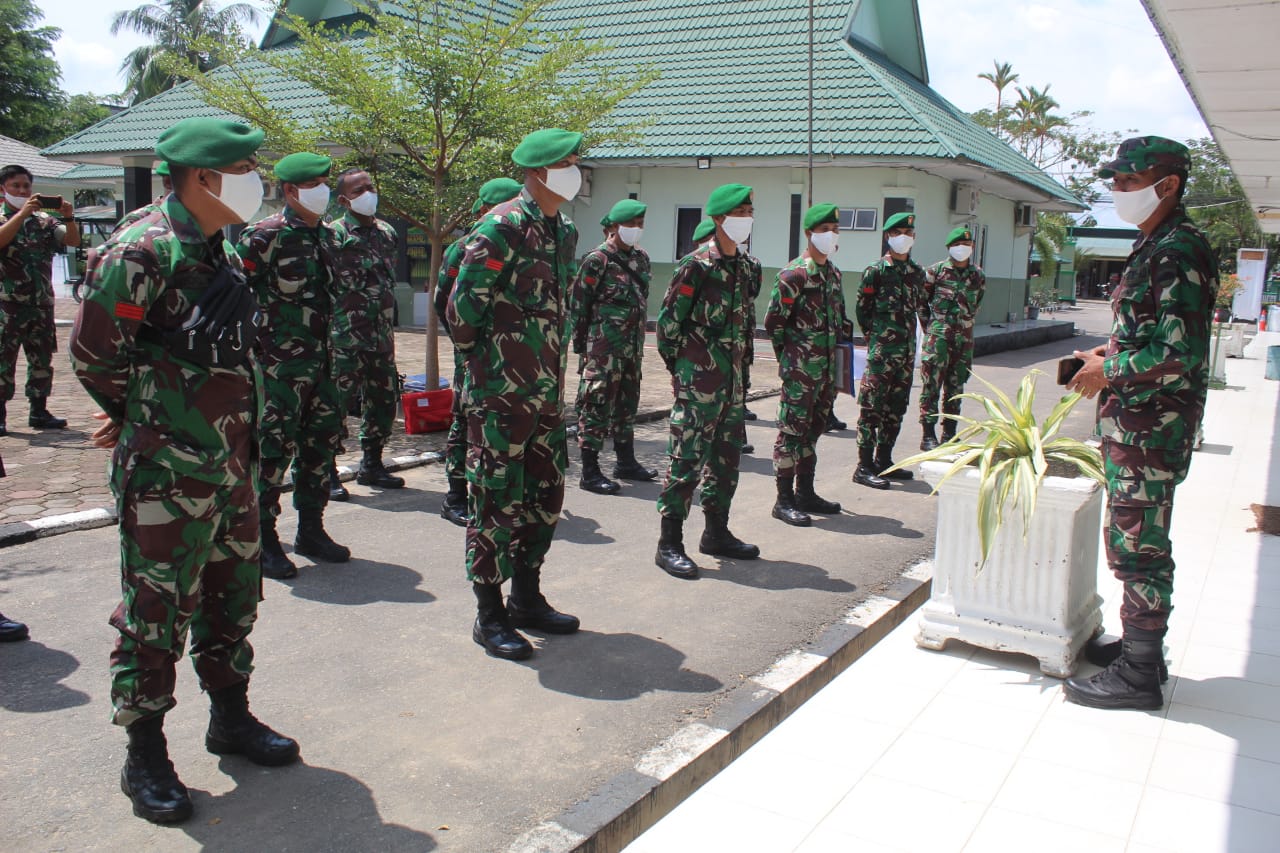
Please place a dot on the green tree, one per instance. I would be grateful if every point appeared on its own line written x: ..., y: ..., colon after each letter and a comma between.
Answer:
x: 77, y: 113
x: 1001, y: 77
x: 29, y: 75
x: 1217, y: 204
x: 176, y: 28
x: 430, y: 96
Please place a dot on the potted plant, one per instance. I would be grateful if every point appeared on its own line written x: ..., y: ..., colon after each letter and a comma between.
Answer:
x: 1028, y: 588
x: 1227, y: 289
x: 1042, y: 295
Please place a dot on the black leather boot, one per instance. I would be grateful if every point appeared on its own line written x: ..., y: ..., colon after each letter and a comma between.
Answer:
x: 948, y: 431
x: 834, y: 424
x: 628, y: 467
x: 671, y: 557
x: 275, y: 564
x: 1131, y: 681
x: 40, y: 417
x: 337, y: 491
x: 312, y: 540
x: 809, y: 500
x: 593, y: 479
x: 884, y: 461
x: 930, y: 439
x: 719, y: 542
x: 493, y: 628
x: 11, y: 631
x: 784, y: 508
x: 1102, y: 651
x: 233, y: 730
x: 748, y: 448
x: 373, y: 473
x: 748, y: 415
x: 4, y: 418
x: 527, y: 607
x: 148, y: 777
x: 866, y: 472
x: 454, y: 506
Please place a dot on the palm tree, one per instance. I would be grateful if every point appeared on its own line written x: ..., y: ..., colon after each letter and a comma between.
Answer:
x: 174, y: 26
x: 1036, y: 122
x: 1001, y: 78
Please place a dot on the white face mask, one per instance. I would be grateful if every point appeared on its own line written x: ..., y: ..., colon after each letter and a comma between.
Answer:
x: 738, y: 228
x: 630, y: 235
x: 365, y: 204
x: 1136, y: 207
x: 961, y: 253
x: 564, y: 182
x: 16, y: 201
x: 314, y: 199
x: 826, y: 242
x: 241, y: 194
x: 900, y: 244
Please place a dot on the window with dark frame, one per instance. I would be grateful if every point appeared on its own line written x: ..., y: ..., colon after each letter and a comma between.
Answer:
x: 687, y: 219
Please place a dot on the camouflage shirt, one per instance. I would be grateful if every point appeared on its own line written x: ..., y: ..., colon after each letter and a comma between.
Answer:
x: 702, y: 325
x: 1157, y: 359
x: 290, y: 268
x: 806, y: 318
x: 196, y: 421
x: 449, y: 264
x: 952, y: 295
x: 137, y: 215
x: 365, y: 302
x: 507, y: 311
x: 26, y: 264
x: 891, y: 298
x: 611, y: 302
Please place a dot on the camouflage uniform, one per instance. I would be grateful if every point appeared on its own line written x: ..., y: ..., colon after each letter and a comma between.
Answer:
x: 702, y: 338
x: 952, y: 295
x: 363, y: 327
x: 455, y: 446
x: 508, y: 318
x: 184, y: 468
x: 137, y: 215
x: 610, y: 303
x: 26, y: 302
x: 805, y: 318
x: 290, y: 268
x: 892, y: 295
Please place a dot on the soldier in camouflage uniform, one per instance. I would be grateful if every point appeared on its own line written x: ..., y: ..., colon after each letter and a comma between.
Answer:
x: 508, y: 317
x: 182, y: 466
x: 289, y: 258
x: 702, y: 336
x: 891, y: 298
x: 755, y: 285
x: 610, y: 304
x: 29, y: 238
x: 162, y: 171
x: 363, y: 327
x: 953, y: 291
x: 454, y: 506
x: 1153, y: 377
x: 805, y: 320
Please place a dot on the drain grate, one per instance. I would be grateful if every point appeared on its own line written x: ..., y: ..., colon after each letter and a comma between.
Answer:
x: 1267, y: 519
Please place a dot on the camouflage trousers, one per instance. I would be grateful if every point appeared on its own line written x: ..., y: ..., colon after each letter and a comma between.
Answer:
x: 884, y: 393
x: 455, y: 444
x: 1140, y: 486
x: 515, y: 477
x: 802, y: 419
x: 189, y: 564
x: 374, y: 375
x: 705, y: 444
x: 945, y: 364
x: 608, y: 397
x: 302, y: 429
x: 31, y: 328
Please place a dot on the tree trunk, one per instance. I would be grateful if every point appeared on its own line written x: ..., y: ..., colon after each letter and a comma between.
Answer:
x: 436, y: 242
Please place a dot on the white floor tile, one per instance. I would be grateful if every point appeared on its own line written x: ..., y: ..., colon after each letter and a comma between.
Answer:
x: 897, y: 814
x: 824, y: 839
x: 1206, y: 661
x: 1216, y: 775
x: 977, y: 721
x: 785, y: 785
x: 1180, y: 823
x: 704, y: 823
x: 1065, y: 795
x: 1145, y: 723
x: 1003, y: 831
x: 1234, y: 733
x: 832, y: 737
x: 891, y: 701
x: 1232, y: 695
x: 1017, y: 688
x: 1220, y: 610
x: 1092, y: 747
x: 962, y: 770
x: 1237, y: 635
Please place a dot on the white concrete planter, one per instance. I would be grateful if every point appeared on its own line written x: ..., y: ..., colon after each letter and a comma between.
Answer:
x: 1037, y: 596
x: 1232, y: 340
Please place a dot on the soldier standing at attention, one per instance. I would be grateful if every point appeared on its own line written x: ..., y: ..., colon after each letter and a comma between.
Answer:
x: 891, y: 297
x: 289, y: 259
x: 701, y: 338
x: 1153, y: 377
x: 454, y: 506
x: 182, y: 464
x: 363, y: 327
x: 749, y: 348
x: 610, y: 304
x: 953, y: 291
x: 509, y: 320
x: 29, y: 238
x: 805, y: 320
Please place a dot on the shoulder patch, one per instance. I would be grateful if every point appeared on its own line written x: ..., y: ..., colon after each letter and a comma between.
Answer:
x: 129, y: 311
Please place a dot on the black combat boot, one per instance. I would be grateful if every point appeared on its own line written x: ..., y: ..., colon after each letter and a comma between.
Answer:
x: 809, y: 500
x: 628, y: 467
x: 593, y: 479
x: 312, y: 540
x: 528, y: 608
x: 865, y: 474
x: 1131, y: 681
x: 372, y: 472
x: 719, y: 542
x: 337, y: 491
x: 40, y: 417
x: 784, y: 508
x: 275, y: 564
x: 748, y: 448
x: 233, y: 730
x: 748, y: 415
x: 948, y: 430
x: 1103, y: 651
x: 884, y: 461
x: 493, y: 628
x: 671, y: 557
x: 930, y: 439
x: 454, y: 506
x: 834, y: 424
x: 12, y: 631
x: 4, y: 418
x: 148, y: 777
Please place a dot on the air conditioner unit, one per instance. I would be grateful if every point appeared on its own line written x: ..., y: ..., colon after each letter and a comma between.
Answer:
x: 1024, y: 216
x: 272, y: 191
x: 964, y: 199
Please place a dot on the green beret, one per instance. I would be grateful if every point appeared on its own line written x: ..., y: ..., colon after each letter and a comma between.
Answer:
x: 545, y: 148
x: 162, y: 168
x: 704, y: 230
x: 725, y: 198
x: 1143, y: 152
x: 207, y: 143
x: 964, y: 232
x: 900, y: 220
x: 302, y: 166
x: 499, y: 190
x: 623, y: 211
x: 819, y: 214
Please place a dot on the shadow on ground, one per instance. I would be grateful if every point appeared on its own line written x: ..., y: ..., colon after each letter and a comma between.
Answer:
x: 29, y: 679
x: 615, y: 667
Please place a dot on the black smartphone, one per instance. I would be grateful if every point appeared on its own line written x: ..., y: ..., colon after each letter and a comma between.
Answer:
x: 1068, y: 368
x: 50, y: 202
